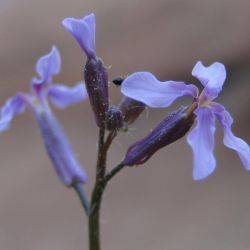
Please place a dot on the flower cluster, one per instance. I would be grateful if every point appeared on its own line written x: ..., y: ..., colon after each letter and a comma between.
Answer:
x: 139, y: 89
x: 143, y: 87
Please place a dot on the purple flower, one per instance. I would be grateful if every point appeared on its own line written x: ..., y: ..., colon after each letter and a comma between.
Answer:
x: 83, y: 30
x: 95, y: 73
x: 57, y: 145
x: 146, y: 88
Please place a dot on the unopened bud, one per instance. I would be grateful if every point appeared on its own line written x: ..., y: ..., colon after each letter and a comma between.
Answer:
x: 171, y: 129
x: 59, y: 150
x: 96, y: 79
x: 131, y: 109
x: 114, y: 118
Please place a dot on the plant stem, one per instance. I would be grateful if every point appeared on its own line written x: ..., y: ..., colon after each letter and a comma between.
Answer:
x: 95, y: 205
x: 82, y: 196
x: 94, y: 217
x: 113, y: 172
x: 101, y: 182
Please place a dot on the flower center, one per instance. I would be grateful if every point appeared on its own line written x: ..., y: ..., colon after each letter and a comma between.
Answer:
x: 204, y: 103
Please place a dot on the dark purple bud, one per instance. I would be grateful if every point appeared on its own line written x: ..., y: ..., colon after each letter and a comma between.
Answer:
x: 59, y: 150
x: 96, y: 80
x: 114, y: 118
x: 131, y: 109
x: 172, y: 128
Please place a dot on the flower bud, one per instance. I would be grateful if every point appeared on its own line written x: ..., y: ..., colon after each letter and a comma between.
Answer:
x: 131, y: 109
x: 114, y: 119
x: 172, y: 128
x: 96, y: 79
x: 66, y: 165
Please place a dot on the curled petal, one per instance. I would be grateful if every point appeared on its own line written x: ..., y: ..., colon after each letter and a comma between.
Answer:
x: 47, y: 66
x: 144, y: 87
x: 12, y: 107
x: 62, y: 96
x: 83, y: 30
x: 211, y: 77
x: 230, y: 140
x: 201, y: 139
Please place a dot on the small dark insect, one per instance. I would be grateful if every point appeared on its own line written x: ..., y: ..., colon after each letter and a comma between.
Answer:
x: 118, y: 80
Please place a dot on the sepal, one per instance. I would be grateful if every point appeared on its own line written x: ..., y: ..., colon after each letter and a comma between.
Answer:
x: 171, y: 129
x: 96, y: 80
x: 59, y: 149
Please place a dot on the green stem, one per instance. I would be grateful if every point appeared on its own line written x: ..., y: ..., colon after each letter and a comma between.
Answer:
x: 94, y: 217
x: 82, y: 196
x: 96, y: 198
x: 101, y: 182
x: 113, y: 172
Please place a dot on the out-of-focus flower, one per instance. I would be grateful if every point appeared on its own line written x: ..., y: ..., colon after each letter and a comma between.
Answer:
x: 146, y: 88
x: 57, y: 144
x: 95, y: 73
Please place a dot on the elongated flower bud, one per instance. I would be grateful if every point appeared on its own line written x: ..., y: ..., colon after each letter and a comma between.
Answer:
x: 131, y: 109
x: 59, y: 150
x: 96, y: 79
x: 114, y: 119
x: 172, y: 128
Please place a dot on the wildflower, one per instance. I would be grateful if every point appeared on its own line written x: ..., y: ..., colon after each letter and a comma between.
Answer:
x: 144, y: 87
x: 57, y: 145
x: 95, y: 73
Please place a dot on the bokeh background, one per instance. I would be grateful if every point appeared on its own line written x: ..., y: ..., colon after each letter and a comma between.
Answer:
x: 157, y: 206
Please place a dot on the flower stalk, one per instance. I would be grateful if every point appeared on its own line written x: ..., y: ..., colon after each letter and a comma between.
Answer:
x: 96, y: 198
x: 102, y: 180
x: 82, y: 197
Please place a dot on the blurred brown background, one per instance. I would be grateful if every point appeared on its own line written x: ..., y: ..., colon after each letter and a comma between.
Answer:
x: 155, y: 207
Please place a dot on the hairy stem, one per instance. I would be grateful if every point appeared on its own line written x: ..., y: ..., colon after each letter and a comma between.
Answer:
x: 101, y: 182
x: 94, y: 216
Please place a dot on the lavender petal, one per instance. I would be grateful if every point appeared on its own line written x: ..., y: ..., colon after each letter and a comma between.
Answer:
x: 47, y: 66
x: 83, y: 30
x: 62, y: 96
x: 144, y: 87
x: 211, y: 77
x: 11, y: 108
x: 230, y: 140
x: 201, y: 139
